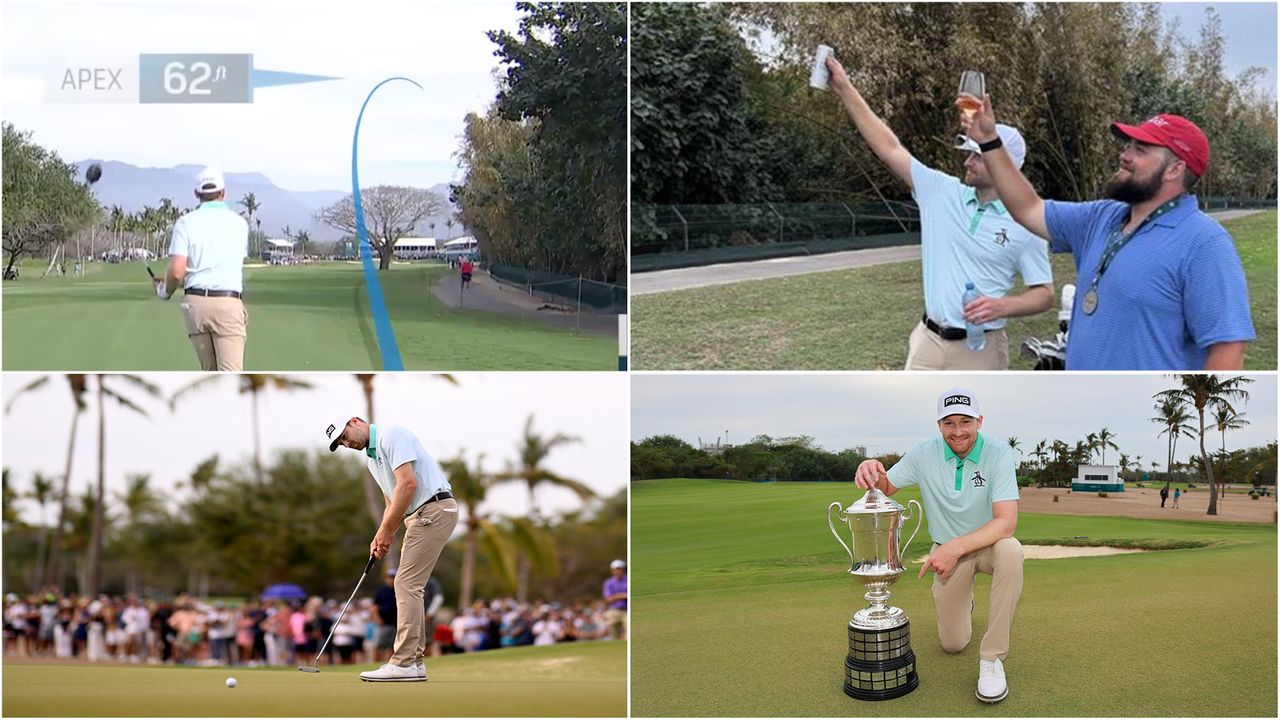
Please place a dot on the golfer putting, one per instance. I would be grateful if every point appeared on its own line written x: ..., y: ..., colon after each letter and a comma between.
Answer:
x: 970, y: 494
x: 206, y: 260
x: 418, y: 495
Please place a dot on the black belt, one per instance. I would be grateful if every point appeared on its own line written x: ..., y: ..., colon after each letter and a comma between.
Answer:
x: 945, y: 333
x: 213, y: 293
x: 442, y: 495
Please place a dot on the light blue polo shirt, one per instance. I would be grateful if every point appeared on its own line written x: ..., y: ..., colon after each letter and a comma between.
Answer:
x: 389, y: 448
x: 962, y: 241
x: 1176, y: 288
x: 957, y: 493
x: 215, y: 241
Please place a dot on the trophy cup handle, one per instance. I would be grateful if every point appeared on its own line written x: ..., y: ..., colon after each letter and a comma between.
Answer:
x: 919, y: 521
x: 831, y: 524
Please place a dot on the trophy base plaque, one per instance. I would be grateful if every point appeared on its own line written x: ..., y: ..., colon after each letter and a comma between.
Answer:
x: 880, y: 664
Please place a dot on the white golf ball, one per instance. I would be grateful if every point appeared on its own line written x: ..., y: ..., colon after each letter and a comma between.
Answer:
x: 231, y: 682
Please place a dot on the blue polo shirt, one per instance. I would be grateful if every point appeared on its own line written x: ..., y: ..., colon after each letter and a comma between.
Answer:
x: 1176, y: 288
x: 215, y: 241
x: 962, y: 240
x: 957, y: 492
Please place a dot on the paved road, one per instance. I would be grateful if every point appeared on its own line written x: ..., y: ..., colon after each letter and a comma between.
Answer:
x: 723, y: 274
x: 487, y: 295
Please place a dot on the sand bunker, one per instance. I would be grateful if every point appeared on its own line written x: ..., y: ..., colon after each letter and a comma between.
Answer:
x: 1049, y: 552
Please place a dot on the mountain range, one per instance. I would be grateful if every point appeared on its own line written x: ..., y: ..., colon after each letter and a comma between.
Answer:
x: 132, y: 187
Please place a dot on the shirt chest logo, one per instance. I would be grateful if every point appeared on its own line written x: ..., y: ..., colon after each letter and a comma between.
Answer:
x: 978, y: 480
x: 1002, y: 237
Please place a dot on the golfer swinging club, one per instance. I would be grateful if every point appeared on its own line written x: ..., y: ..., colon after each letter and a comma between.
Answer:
x: 206, y: 260
x: 970, y: 494
x: 417, y: 494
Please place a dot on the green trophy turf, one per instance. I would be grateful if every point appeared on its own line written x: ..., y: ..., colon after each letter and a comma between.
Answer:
x: 741, y: 599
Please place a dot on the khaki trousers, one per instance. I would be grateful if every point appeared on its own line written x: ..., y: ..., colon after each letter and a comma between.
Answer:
x: 217, y: 327
x: 926, y: 350
x: 953, y: 598
x: 425, y: 533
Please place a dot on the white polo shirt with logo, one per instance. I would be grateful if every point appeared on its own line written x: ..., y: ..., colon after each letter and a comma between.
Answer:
x: 957, y: 492
x: 389, y: 448
x: 962, y: 240
x: 215, y: 241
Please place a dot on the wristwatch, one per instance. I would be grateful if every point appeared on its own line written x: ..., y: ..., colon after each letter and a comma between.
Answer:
x: 990, y: 145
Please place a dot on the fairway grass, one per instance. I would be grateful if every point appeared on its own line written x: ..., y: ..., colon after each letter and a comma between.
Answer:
x: 301, y: 318
x: 740, y: 602
x: 567, y: 680
x: 859, y: 319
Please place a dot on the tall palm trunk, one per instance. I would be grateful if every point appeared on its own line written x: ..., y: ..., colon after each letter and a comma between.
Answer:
x: 95, y: 550
x: 372, y: 495
x: 1208, y: 470
x: 257, y: 441
x: 525, y: 566
x: 54, y: 575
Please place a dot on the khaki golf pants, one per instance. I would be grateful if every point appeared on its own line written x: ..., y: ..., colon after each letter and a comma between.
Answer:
x: 926, y: 350
x: 425, y: 533
x: 217, y: 327
x: 953, y: 598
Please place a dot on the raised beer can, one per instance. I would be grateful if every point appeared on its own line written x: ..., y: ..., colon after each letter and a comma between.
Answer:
x: 819, y: 74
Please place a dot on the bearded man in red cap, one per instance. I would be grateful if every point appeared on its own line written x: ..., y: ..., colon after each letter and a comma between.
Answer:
x: 1160, y: 285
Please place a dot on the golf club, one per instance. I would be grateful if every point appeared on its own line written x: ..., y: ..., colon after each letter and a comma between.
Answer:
x: 315, y: 666
x: 153, y: 275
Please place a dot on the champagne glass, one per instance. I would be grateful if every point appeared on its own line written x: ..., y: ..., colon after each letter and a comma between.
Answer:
x: 972, y: 83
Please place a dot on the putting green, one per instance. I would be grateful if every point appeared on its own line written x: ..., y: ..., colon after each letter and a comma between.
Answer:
x: 579, y: 679
x: 301, y: 318
x: 740, y: 602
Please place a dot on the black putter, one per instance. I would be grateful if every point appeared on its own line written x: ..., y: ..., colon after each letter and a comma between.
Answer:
x: 315, y: 666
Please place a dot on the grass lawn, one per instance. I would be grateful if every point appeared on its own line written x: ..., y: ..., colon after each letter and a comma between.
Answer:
x: 740, y: 603
x: 859, y: 319
x: 579, y: 679
x: 300, y: 318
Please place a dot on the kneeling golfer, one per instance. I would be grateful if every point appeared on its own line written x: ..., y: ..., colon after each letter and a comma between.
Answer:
x: 970, y: 495
x: 417, y: 494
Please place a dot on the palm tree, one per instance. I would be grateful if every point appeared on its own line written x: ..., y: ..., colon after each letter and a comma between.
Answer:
x: 1200, y: 391
x: 141, y: 504
x: 79, y: 386
x: 304, y: 239
x: 448, y: 223
x: 42, y: 492
x: 1104, y: 439
x: 1224, y: 419
x: 532, y: 451
x: 1013, y: 444
x: 1040, y: 453
x: 99, y: 505
x: 254, y: 385
x: 251, y: 205
x: 1175, y: 419
x: 471, y: 486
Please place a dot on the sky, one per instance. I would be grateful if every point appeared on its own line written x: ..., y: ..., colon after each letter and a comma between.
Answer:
x: 485, y: 413
x: 299, y: 136
x: 888, y: 413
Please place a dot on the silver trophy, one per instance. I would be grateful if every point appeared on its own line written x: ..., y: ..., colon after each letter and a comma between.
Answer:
x: 880, y: 664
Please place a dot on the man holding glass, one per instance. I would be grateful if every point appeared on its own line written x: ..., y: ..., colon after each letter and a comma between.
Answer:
x: 966, y: 235
x: 1160, y: 285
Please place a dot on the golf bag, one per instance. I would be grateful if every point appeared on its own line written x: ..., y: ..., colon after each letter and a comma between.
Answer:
x: 1052, y: 354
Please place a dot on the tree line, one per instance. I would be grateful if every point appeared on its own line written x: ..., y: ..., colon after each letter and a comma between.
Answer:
x: 545, y: 166
x: 303, y: 517
x: 715, y: 122
x: 1198, y: 407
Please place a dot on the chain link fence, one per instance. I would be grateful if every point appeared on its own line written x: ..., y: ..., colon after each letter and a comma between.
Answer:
x: 1225, y: 202
x: 669, y: 236
x: 582, y: 293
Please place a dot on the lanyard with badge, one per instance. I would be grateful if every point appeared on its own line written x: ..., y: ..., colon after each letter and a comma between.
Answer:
x: 1115, y: 241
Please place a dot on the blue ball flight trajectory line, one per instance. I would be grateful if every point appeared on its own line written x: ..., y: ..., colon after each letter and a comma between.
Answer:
x: 387, y: 346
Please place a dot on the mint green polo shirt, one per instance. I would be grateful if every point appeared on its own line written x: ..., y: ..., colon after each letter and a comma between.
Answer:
x: 962, y: 240
x: 957, y: 492
x: 389, y: 448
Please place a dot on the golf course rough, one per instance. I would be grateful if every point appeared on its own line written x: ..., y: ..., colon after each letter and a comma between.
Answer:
x: 741, y: 600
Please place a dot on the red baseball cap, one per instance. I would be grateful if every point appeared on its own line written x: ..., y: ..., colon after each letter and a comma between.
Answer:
x: 1178, y: 134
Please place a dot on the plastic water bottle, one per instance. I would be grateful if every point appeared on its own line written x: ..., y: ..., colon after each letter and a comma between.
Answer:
x: 976, y: 337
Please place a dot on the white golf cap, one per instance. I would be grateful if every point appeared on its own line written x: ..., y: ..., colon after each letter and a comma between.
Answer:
x: 1012, y: 139
x: 210, y: 180
x: 958, y: 401
x: 334, y: 428
x: 617, y: 565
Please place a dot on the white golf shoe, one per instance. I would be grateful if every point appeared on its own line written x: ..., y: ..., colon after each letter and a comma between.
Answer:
x: 394, y: 673
x: 422, y: 670
x: 992, y: 687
